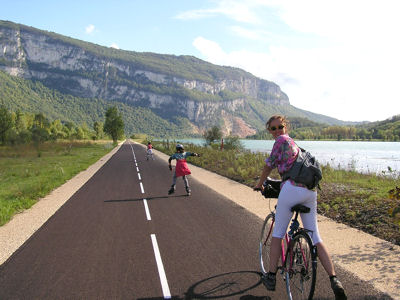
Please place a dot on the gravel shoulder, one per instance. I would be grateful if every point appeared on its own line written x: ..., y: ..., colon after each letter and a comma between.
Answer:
x: 367, y: 257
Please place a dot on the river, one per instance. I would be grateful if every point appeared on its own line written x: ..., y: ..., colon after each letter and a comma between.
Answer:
x: 364, y: 157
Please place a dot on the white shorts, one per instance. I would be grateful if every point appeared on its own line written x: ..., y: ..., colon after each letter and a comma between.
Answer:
x: 289, y: 196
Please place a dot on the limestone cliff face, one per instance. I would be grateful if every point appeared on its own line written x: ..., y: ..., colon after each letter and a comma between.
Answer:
x: 73, y: 69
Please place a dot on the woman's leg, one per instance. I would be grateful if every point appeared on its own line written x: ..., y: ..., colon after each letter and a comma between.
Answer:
x: 274, y: 254
x: 310, y: 222
x: 325, y: 259
x: 287, y: 199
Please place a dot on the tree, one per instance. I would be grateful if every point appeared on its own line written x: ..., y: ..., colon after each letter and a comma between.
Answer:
x: 19, y: 121
x: 212, y: 135
x: 5, y: 123
x: 233, y: 143
x: 41, y: 121
x: 98, y: 129
x: 114, y: 125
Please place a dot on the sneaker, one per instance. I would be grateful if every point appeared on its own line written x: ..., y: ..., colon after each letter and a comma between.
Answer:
x: 338, y: 289
x: 189, y: 192
x: 269, y: 281
x: 171, y: 190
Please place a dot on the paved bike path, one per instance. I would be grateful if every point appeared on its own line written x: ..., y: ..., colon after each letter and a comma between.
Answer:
x: 106, y: 243
x: 99, y: 244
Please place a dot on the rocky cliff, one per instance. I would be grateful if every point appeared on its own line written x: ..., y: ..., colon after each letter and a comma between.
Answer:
x: 170, y: 85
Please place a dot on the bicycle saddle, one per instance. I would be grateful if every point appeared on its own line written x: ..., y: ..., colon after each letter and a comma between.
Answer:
x: 300, y: 208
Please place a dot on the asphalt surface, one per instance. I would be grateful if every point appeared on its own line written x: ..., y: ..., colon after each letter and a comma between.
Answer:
x: 107, y: 242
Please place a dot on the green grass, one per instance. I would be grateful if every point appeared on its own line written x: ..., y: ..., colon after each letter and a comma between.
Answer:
x: 358, y: 200
x: 28, y: 173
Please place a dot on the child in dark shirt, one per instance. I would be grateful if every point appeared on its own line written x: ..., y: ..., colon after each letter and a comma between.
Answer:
x: 181, y: 168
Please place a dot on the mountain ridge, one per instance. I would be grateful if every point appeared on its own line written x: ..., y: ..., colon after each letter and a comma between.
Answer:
x: 185, y: 87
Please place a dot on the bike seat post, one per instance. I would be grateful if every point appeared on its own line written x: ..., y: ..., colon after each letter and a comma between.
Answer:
x: 294, y: 226
x: 296, y: 215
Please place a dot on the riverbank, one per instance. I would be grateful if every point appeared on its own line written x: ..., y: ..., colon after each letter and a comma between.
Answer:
x: 357, y: 200
x: 381, y: 158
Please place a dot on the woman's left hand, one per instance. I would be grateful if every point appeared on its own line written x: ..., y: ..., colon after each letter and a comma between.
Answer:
x: 258, y: 187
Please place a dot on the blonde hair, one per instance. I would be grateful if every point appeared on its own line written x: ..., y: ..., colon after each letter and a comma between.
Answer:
x: 283, y: 119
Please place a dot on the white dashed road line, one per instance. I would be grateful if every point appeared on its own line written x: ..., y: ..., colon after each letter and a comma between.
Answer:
x: 160, y: 266
x: 146, y: 208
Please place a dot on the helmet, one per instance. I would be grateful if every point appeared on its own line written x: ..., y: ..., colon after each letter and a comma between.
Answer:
x: 179, y: 147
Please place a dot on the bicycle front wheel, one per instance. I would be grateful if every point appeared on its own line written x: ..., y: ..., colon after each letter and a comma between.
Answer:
x: 301, y: 267
x: 265, y: 242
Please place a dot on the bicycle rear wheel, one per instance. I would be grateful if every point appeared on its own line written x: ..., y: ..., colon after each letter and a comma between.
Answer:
x: 265, y: 242
x: 301, y: 267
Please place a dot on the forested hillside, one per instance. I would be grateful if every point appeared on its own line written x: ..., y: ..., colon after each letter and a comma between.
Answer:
x: 33, y: 97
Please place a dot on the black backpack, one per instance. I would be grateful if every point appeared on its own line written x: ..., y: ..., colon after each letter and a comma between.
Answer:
x: 305, y: 170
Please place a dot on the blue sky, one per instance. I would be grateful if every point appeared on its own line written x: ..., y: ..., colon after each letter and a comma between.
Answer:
x: 338, y: 58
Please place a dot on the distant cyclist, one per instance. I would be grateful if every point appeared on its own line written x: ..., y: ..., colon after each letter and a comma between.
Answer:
x: 283, y: 155
x: 181, y: 168
x: 149, y: 151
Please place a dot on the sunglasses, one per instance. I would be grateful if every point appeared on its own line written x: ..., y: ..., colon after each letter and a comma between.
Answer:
x: 273, y: 128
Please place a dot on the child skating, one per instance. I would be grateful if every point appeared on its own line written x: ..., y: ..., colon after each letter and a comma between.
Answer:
x: 149, y: 151
x: 181, y: 168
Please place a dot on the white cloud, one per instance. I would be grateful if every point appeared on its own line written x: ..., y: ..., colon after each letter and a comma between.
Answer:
x: 236, y: 10
x: 335, y: 58
x: 255, y: 35
x: 114, y: 45
x: 196, y: 14
x: 315, y: 80
x: 89, y: 29
x: 211, y: 50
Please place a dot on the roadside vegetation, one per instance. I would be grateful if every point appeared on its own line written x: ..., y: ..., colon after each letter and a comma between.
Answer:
x: 364, y: 201
x: 38, y: 155
x: 26, y: 176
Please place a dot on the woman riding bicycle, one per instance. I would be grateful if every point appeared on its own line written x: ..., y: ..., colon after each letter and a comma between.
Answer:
x: 283, y: 155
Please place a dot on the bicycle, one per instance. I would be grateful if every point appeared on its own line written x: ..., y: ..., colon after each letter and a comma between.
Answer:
x: 298, y: 264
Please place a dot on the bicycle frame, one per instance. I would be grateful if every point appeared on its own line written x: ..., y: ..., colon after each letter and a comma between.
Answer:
x: 298, y: 261
x: 294, y: 228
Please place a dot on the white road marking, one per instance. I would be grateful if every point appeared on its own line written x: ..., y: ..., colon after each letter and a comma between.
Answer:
x: 146, y: 208
x: 160, y: 266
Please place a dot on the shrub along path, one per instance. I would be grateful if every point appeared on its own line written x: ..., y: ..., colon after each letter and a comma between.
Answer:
x: 358, y: 200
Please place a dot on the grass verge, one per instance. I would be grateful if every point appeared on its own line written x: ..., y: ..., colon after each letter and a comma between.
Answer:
x: 358, y: 200
x: 28, y: 173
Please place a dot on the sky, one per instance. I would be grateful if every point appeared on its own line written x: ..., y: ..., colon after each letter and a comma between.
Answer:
x: 337, y: 58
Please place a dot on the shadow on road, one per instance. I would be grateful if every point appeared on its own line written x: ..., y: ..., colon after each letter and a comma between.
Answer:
x: 223, y: 286
x: 147, y: 198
